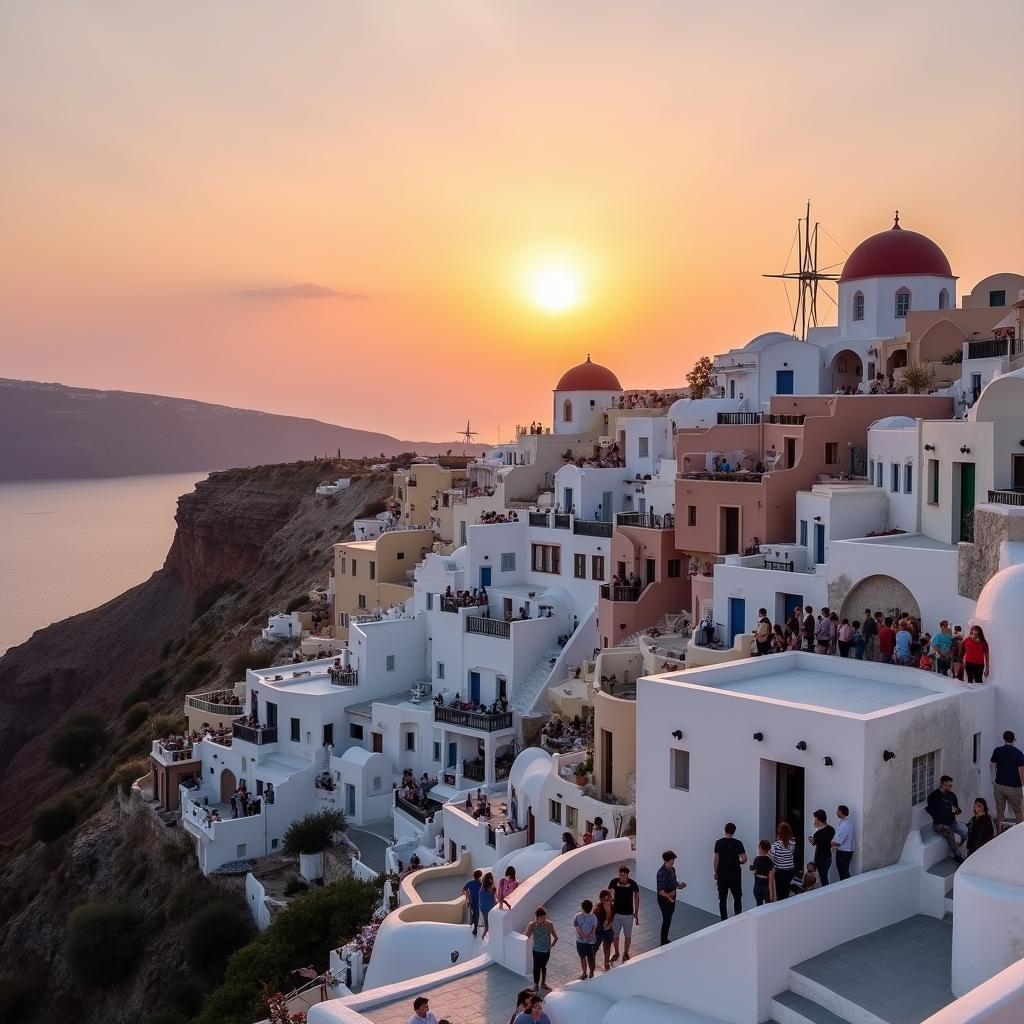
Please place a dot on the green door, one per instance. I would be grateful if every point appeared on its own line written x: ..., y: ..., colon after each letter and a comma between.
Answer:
x: 967, y: 501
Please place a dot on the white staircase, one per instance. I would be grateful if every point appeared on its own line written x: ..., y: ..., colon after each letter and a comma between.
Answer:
x: 526, y: 693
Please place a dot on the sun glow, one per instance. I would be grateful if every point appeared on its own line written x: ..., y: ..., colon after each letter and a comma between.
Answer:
x: 554, y: 288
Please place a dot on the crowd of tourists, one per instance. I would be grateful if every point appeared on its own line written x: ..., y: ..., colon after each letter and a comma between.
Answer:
x: 415, y: 790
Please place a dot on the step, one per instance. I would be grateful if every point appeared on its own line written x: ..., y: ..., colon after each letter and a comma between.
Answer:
x: 842, y: 1008
x: 948, y: 902
x: 790, y: 1008
x: 946, y: 870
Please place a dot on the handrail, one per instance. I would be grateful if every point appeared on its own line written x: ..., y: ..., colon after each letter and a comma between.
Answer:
x: 210, y: 708
x: 648, y: 520
x: 488, y: 627
x: 592, y: 528
x: 1002, y: 496
x: 343, y: 676
x: 259, y: 735
x: 473, y: 719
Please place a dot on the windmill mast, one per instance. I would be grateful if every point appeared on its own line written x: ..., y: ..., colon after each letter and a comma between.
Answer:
x: 808, y: 276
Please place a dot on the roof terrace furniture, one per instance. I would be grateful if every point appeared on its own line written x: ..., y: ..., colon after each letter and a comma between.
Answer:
x: 482, y: 720
x: 488, y: 627
x: 260, y: 734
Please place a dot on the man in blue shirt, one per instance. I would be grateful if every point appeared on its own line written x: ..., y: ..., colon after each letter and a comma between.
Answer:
x: 471, y: 890
x: 942, y: 644
x: 1008, y: 778
x: 667, y: 885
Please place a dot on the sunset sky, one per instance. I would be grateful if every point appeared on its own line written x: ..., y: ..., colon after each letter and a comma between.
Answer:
x: 168, y: 170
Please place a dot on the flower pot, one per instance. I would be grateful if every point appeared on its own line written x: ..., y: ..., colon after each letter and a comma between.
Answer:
x: 582, y: 780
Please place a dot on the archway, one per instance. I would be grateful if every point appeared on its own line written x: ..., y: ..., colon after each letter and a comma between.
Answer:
x: 228, y: 785
x: 567, y: 411
x: 845, y: 370
x: 879, y: 593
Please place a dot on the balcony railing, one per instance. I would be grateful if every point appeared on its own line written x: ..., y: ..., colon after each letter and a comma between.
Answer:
x: 787, y: 418
x: 195, y: 702
x: 745, y: 418
x: 591, y: 528
x: 488, y: 627
x: 419, y: 813
x: 989, y: 348
x: 647, y: 520
x: 562, y: 520
x: 343, y: 676
x: 175, y: 754
x: 781, y: 566
x: 1006, y: 497
x: 612, y: 592
x: 260, y: 734
x: 473, y: 770
x: 473, y: 719
x: 538, y: 519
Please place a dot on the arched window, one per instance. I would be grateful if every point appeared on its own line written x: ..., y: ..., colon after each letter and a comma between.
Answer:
x: 858, y: 306
x: 567, y: 410
x: 902, y: 303
x: 944, y: 299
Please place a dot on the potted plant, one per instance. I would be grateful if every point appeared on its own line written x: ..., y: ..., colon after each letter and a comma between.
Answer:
x: 584, y: 768
x: 308, y: 837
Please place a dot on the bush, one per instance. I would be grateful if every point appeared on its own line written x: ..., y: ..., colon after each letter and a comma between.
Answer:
x: 136, y: 715
x: 197, y: 672
x: 304, y: 933
x: 187, y: 896
x: 104, y: 942
x: 250, y: 659
x: 214, y: 933
x: 315, y: 832
x: 125, y: 774
x: 296, y: 603
x: 295, y: 886
x: 55, y: 818
x: 76, y: 744
x: 373, y: 508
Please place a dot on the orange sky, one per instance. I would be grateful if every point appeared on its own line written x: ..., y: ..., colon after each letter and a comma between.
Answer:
x: 415, y: 156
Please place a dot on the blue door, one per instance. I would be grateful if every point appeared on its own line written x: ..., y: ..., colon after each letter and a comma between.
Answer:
x: 819, y: 543
x: 737, y: 617
x: 791, y: 601
x: 485, y: 576
x: 783, y: 382
x: 474, y: 687
x: 350, y: 800
x: 567, y: 501
x: 453, y: 755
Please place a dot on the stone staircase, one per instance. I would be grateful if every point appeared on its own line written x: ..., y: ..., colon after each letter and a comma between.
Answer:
x: 525, y: 694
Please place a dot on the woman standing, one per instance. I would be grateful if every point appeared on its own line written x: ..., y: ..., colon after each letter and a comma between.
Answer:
x: 782, y: 854
x: 568, y: 842
x: 980, y: 828
x: 487, y: 899
x: 542, y: 937
x: 506, y: 887
x: 604, y: 914
x: 974, y: 654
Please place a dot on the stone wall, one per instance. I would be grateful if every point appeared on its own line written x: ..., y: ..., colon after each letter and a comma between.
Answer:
x: 977, y: 563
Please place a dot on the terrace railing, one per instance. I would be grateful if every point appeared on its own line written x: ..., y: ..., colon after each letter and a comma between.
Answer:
x: 181, y: 754
x: 488, y: 627
x: 782, y: 566
x: 786, y: 418
x: 746, y: 418
x: 207, y: 707
x: 343, y: 676
x: 591, y: 528
x: 260, y: 735
x: 474, y: 719
x: 1004, y: 497
x: 538, y: 519
x: 989, y: 348
x: 647, y: 520
x: 611, y: 592
x: 473, y: 770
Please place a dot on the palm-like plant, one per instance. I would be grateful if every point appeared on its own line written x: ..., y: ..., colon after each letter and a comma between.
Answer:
x: 917, y: 378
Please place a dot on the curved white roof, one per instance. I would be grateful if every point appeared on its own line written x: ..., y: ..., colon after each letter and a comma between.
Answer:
x: 1002, y: 599
x: 528, y: 772
x: 894, y: 423
x: 1001, y: 399
x: 358, y: 756
x: 768, y: 339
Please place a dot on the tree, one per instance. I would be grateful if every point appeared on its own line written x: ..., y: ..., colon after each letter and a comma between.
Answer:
x: 214, y: 932
x: 76, y: 744
x: 315, y: 832
x: 701, y: 379
x: 917, y: 378
x: 104, y: 942
x: 54, y: 818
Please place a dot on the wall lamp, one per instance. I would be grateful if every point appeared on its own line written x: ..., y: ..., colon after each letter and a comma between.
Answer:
x: 964, y: 450
x: 802, y: 745
x: 929, y: 447
x: 887, y: 755
x: 759, y: 737
x: 827, y: 762
x: 677, y: 734
x: 817, y: 519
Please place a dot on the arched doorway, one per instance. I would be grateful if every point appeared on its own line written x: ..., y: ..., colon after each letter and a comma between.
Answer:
x: 227, y: 785
x: 845, y: 370
x: 879, y: 593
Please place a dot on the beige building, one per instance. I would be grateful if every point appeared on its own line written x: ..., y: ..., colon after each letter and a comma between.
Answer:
x: 417, y: 490
x: 376, y: 574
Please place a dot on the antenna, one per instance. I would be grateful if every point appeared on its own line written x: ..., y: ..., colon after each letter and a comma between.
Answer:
x: 808, y: 277
x: 467, y: 435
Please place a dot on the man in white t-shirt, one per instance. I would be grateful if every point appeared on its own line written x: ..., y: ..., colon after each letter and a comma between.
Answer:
x: 599, y: 832
x: 422, y: 1014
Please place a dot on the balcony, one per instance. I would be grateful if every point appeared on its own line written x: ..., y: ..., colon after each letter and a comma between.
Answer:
x: 647, y: 520
x: 473, y: 770
x: 343, y: 676
x: 563, y: 521
x: 209, y: 704
x: 481, y: 720
x: 738, y: 418
x: 261, y: 735
x: 785, y: 418
x: 488, y: 627
x: 780, y: 566
x: 1010, y: 497
x: 168, y: 751
x: 538, y: 519
x: 591, y: 528
x: 614, y: 592
x: 421, y: 814
x: 990, y: 348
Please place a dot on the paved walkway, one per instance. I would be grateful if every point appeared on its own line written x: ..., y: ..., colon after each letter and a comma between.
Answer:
x: 373, y: 840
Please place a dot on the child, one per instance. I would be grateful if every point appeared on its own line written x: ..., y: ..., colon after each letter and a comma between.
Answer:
x: 764, y: 874
x: 809, y: 881
x: 585, y: 924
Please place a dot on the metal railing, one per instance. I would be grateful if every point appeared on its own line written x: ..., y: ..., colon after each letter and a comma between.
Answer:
x: 648, y: 520
x: 212, y: 708
x: 782, y: 566
x: 738, y: 418
x: 488, y: 627
x: 591, y: 528
x: 1003, y: 497
x: 473, y: 719
x: 419, y: 813
x: 611, y: 592
x: 989, y: 348
x: 180, y: 754
x: 787, y: 418
x: 343, y: 676
x: 474, y: 771
x: 538, y: 519
x: 260, y: 735
x: 562, y: 521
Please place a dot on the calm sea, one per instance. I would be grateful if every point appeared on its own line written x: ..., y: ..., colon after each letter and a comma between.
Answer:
x: 69, y: 545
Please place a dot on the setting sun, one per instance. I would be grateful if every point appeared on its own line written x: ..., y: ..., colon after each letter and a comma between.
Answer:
x: 554, y: 289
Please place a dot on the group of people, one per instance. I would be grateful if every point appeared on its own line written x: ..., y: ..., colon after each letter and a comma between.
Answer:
x: 529, y: 1010
x: 499, y: 517
x: 482, y: 895
x: 452, y: 600
x: 483, y: 805
x: 560, y: 735
x: 608, y: 458
x: 457, y: 703
x: 648, y: 399
x: 244, y: 804
x: 413, y: 790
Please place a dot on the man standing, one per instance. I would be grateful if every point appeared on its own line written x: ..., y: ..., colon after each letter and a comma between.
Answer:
x: 821, y: 840
x: 886, y: 641
x: 944, y: 807
x: 842, y: 844
x: 667, y: 886
x: 1008, y: 778
x: 599, y: 832
x: 729, y: 855
x: 471, y: 890
x: 763, y: 633
x: 626, y: 904
x: 870, y: 630
x: 823, y: 632
x: 942, y: 645
x: 421, y: 1012
x: 809, y: 630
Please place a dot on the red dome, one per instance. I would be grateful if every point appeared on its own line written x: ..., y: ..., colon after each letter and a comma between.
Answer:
x: 588, y: 376
x: 896, y: 253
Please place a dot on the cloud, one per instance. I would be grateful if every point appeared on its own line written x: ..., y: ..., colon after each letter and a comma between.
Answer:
x: 306, y: 290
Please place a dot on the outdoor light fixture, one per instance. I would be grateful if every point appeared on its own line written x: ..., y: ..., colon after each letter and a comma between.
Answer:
x: 887, y: 755
x: 678, y: 734
x: 759, y: 737
x: 929, y: 447
x: 827, y: 762
x: 817, y: 519
x: 802, y: 745
x: 964, y: 450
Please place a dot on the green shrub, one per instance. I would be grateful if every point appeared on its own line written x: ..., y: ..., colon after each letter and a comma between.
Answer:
x: 104, y: 942
x: 295, y: 886
x: 197, y: 672
x: 373, y: 508
x: 186, y: 897
x: 76, y: 744
x: 249, y: 659
x: 136, y: 715
x: 214, y: 932
x: 151, y: 685
x: 125, y: 774
x: 54, y: 818
x: 315, y: 832
x: 164, y: 1016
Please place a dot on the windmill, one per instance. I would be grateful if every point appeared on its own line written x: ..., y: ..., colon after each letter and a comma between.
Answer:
x: 808, y: 276
x: 467, y: 435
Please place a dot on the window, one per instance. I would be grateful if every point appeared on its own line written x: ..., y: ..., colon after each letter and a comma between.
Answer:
x: 572, y: 819
x: 296, y: 730
x: 410, y: 740
x: 597, y: 567
x: 361, y: 601
x: 908, y: 479
x: 389, y: 663
x: 399, y: 557
x: 895, y: 484
x: 679, y: 774
x: 858, y: 306
x: 803, y: 526
x: 508, y: 561
x: 555, y: 812
x: 373, y: 570
x: 341, y: 566
x: 579, y: 566
x: 933, y: 481
x: 437, y: 751
x: 902, y: 303
x: 377, y: 783
x: 871, y: 469
x: 831, y: 453
x: 922, y: 777
x: 546, y: 558
x: 644, y: 446
x: 240, y: 850
x: 943, y: 299
x: 997, y: 298
x: 273, y: 843
x: 675, y: 568
x: 430, y: 602
x: 691, y: 515
x: 355, y: 732
x: 567, y: 411
x: 878, y: 473
x: 977, y: 748
x: 354, y: 573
